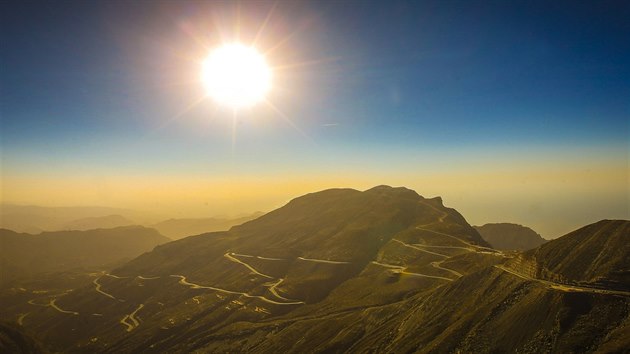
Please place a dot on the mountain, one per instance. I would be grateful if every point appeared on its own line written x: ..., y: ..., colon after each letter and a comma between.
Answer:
x: 25, y: 255
x: 335, y: 250
x: 35, y: 219
x: 510, y: 308
x: 14, y: 340
x: 506, y: 236
x: 595, y: 255
x: 383, y: 270
x: 178, y: 228
x: 98, y: 222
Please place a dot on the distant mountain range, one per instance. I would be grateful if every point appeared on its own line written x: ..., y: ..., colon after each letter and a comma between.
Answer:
x: 26, y: 255
x: 36, y: 219
x: 506, y: 236
x: 178, y: 228
x: 384, y: 270
x: 98, y: 222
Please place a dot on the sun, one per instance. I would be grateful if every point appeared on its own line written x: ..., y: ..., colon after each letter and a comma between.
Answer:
x: 236, y: 76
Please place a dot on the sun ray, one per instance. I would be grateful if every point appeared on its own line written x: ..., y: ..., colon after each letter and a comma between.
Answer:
x: 178, y: 115
x: 190, y: 83
x: 234, y: 117
x: 192, y: 32
x: 264, y: 24
x: 219, y: 30
x: 288, y: 120
x: 307, y: 63
x: 237, y: 23
x: 286, y: 39
x: 280, y: 43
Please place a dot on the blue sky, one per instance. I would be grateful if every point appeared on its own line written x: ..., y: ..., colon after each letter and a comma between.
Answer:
x: 392, y: 89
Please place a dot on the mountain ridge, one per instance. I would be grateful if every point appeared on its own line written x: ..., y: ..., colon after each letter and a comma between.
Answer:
x: 339, y: 270
x: 23, y: 254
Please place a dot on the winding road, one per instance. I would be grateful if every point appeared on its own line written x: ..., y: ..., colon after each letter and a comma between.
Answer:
x: 183, y: 281
x: 231, y: 257
x: 438, y: 265
x: 321, y: 261
x: 20, y: 319
x: 401, y: 270
x: 272, y: 286
x: 441, y: 218
x: 272, y: 289
x: 259, y: 257
x: 116, y: 276
x: 563, y: 287
x: 54, y: 305
x: 130, y: 321
x: 476, y: 247
x: 420, y: 249
x: 469, y: 249
x: 98, y: 289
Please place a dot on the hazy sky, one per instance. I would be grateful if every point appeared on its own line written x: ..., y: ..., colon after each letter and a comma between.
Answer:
x: 511, y: 111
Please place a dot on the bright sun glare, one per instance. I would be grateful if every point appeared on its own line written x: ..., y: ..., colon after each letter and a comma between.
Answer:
x: 236, y: 76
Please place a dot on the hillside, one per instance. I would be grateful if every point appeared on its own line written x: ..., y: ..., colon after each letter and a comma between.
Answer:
x: 384, y: 270
x: 179, y: 228
x: 14, y: 340
x: 506, y: 236
x: 321, y: 251
x: 520, y: 312
x: 594, y: 255
x: 25, y: 255
x: 488, y: 310
x: 98, y: 222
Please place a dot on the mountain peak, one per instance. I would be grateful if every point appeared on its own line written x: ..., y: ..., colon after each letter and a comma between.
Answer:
x: 385, y: 189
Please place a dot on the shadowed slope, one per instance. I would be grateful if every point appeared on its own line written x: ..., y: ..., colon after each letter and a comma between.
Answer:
x: 24, y: 255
